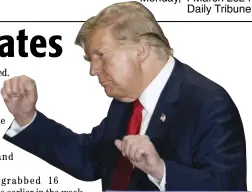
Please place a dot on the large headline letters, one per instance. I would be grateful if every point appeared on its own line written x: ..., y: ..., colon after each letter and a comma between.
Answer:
x: 38, y: 45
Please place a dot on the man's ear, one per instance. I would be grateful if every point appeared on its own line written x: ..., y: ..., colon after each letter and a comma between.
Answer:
x: 143, y: 51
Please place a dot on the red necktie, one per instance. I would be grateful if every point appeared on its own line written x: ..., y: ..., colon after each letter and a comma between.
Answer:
x: 124, y: 167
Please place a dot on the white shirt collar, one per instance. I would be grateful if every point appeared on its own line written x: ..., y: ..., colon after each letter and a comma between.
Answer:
x: 150, y: 95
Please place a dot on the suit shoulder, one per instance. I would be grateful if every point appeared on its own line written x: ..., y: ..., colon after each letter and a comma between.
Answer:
x: 201, y: 88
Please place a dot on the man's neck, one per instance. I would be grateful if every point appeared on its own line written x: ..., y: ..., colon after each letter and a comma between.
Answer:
x: 151, y: 70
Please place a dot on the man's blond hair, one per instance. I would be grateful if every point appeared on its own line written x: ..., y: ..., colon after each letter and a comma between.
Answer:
x: 129, y: 21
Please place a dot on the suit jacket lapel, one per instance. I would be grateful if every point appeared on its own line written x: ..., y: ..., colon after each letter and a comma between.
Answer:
x: 117, y: 125
x: 166, y: 105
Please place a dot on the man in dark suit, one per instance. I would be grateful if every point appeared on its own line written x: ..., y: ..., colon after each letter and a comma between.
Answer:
x: 167, y: 128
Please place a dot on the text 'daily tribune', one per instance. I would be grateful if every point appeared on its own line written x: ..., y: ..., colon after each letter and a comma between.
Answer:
x: 209, y: 7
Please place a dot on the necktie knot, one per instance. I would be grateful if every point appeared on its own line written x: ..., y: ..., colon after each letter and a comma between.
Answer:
x: 137, y: 105
x: 136, y: 118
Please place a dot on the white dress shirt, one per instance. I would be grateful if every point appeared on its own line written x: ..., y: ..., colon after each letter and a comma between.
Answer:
x: 148, y: 99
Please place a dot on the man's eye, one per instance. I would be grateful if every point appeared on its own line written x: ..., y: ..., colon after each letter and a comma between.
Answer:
x: 100, y: 54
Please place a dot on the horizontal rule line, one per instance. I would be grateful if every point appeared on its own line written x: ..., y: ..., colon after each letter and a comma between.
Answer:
x: 157, y: 21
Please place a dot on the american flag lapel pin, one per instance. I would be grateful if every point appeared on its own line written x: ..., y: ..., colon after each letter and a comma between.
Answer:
x: 163, y: 117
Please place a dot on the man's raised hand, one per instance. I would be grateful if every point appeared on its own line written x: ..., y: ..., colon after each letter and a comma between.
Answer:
x: 20, y: 96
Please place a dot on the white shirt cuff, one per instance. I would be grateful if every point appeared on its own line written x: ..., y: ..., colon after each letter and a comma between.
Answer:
x: 15, y: 127
x: 160, y: 185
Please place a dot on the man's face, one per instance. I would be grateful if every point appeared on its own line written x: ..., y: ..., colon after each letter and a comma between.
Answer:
x: 116, y: 66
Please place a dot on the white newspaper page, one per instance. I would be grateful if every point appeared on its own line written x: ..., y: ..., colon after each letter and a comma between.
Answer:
x: 71, y: 73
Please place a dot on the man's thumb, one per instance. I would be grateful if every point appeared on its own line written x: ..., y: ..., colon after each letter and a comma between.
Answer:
x: 118, y: 144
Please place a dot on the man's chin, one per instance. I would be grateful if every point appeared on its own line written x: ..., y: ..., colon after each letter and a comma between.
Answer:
x: 111, y: 93
x: 108, y: 91
x: 121, y: 98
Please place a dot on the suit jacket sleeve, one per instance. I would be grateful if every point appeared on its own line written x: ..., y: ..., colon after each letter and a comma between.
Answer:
x: 61, y: 147
x: 218, y: 151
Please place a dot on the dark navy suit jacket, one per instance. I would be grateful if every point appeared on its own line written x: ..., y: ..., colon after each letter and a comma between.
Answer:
x: 202, y: 140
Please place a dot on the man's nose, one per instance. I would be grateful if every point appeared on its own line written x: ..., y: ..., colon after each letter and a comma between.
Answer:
x: 95, y: 68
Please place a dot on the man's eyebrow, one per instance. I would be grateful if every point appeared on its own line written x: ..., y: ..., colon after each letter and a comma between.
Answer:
x: 95, y: 51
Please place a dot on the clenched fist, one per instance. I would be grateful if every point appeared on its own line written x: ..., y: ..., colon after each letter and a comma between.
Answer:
x: 20, y: 96
x: 142, y: 154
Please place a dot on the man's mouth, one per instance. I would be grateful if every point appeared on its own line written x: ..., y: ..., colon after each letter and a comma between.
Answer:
x: 104, y: 83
